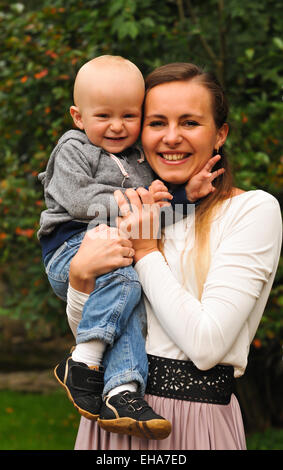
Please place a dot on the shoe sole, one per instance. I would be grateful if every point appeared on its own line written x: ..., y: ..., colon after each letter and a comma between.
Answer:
x: 82, y: 412
x: 153, y: 429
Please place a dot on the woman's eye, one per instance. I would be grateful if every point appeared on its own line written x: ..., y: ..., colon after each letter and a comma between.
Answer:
x: 190, y: 123
x: 156, y: 123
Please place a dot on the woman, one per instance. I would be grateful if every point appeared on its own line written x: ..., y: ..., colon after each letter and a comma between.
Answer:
x: 205, y: 289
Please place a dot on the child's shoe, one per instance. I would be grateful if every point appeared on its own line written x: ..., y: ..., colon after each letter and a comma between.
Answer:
x: 128, y: 413
x: 84, y: 386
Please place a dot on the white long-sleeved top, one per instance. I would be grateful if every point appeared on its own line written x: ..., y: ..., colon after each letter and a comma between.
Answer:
x: 245, y: 244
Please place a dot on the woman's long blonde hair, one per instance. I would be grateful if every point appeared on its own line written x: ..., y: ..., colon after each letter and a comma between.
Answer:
x: 205, y: 212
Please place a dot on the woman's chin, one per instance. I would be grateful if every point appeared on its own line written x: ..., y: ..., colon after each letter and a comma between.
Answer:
x: 175, y: 179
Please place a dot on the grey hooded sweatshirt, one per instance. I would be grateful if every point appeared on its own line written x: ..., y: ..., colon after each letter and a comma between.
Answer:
x: 80, y: 180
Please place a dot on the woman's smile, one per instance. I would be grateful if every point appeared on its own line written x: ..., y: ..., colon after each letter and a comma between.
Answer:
x: 174, y: 158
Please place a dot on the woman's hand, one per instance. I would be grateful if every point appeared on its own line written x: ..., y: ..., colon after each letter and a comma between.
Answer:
x: 140, y: 220
x: 102, y: 250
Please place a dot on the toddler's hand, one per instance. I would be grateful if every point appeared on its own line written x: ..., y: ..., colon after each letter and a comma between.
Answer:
x: 200, y: 185
x: 160, y: 192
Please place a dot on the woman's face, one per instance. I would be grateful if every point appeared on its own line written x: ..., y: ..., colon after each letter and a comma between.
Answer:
x: 179, y: 132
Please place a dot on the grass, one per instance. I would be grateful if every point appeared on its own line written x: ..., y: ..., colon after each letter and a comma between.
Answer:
x: 271, y: 439
x: 50, y: 422
x: 37, y: 422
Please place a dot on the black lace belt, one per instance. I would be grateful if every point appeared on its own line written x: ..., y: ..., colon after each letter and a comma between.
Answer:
x: 182, y: 380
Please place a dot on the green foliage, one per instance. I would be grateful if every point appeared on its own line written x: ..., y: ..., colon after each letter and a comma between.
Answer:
x: 42, y: 47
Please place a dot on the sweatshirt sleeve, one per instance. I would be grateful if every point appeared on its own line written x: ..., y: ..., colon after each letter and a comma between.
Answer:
x: 245, y: 259
x: 72, y: 184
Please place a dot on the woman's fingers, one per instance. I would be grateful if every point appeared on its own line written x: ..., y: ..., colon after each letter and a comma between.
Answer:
x: 102, y: 250
x: 128, y: 226
x: 142, y: 222
x: 137, y: 198
x: 127, y: 252
x: 134, y: 198
x: 105, y: 232
x: 122, y: 202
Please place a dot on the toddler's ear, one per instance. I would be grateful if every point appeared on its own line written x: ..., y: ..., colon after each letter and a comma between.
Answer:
x: 76, y: 115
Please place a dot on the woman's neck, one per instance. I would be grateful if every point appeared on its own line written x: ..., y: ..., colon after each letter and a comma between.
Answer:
x: 237, y: 191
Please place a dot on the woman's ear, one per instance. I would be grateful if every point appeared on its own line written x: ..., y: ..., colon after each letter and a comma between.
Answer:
x: 77, y: 117
x: 221, y: 135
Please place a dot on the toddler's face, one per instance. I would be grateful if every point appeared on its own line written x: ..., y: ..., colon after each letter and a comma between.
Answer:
x: 111, y: 114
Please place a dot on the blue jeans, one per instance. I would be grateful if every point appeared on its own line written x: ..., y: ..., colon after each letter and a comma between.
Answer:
x: 114, y: 313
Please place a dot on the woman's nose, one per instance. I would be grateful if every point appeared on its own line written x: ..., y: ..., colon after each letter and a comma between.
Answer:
x: 172, y: 136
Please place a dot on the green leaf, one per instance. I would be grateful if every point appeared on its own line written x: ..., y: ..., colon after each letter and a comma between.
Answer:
x: 128, y: 28
x: 249, y: 53
x: 17, y: 7
x: 278, y: 43
x: 115, y: 7
x: 147, y: 22
x: 133, y: 29
x: 262, y: 158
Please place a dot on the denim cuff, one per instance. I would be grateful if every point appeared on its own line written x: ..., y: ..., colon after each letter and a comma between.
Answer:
x: 124, y: 378
x: 95, y: 333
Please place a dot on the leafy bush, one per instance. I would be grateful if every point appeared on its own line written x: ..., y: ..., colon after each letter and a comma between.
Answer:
x: 43, y: 46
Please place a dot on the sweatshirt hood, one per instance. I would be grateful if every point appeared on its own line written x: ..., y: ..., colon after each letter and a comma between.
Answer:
x: 74, y: 135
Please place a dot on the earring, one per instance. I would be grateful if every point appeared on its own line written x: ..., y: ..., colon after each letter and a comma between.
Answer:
x: 217, y: 152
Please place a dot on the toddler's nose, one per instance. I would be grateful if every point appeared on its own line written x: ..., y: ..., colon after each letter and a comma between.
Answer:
x: 116, y: 125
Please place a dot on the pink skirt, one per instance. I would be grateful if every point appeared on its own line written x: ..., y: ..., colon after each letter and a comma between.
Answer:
x: 195, y: 426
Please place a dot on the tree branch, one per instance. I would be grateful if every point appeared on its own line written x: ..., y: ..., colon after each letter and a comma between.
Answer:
x: 181, y: 10
x: 222, y: 40
x: 204, y: 42
x: 218, y: 62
